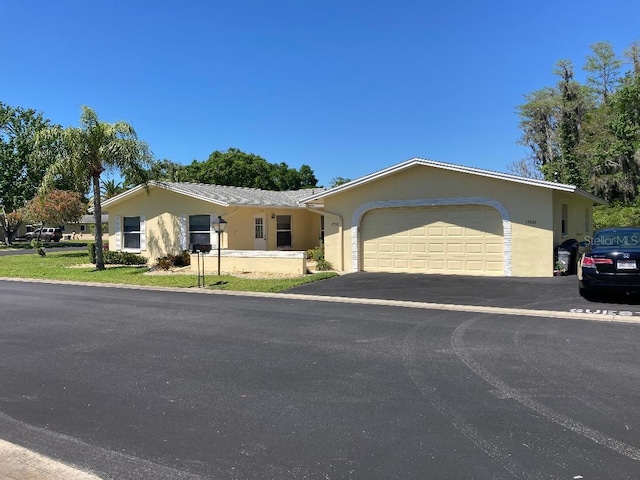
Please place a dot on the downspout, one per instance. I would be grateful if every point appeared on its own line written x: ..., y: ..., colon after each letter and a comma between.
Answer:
x: 340, y: 232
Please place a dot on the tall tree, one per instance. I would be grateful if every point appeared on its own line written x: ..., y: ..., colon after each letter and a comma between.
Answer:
x: 525, y: 167
x: 237, y: 168
x: 633, y: 55
x: 56, y: 207
x: 163, y: 170
x: 574, y: 105
x: 110, y: 188
x: 335, y: 181
x: 20, y: 172
x: 88, y: 151
x: 538, y: 122
x: 604, y: 70
x: 612, y: 143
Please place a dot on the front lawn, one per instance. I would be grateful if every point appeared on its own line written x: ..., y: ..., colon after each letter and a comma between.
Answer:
x: 61, y: 265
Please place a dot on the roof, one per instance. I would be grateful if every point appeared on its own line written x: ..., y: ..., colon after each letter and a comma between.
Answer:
x: 91, y: 218
x: 452, y: 167
x: 225, y: 196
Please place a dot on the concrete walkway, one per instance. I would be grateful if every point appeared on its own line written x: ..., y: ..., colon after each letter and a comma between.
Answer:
x: 18, y: 463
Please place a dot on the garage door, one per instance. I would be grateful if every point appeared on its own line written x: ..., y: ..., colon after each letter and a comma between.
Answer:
x: 464, y: 239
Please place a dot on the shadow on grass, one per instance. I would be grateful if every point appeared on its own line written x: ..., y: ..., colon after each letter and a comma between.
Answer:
x: 78, y: 254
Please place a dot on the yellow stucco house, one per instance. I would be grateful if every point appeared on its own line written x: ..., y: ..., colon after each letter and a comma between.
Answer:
x: 419, y: 216
x: 266, y: 230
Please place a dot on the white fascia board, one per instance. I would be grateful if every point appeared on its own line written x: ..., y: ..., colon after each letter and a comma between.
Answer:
x: 456, y: 168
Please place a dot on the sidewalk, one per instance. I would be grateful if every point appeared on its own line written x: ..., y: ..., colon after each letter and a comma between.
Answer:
x: 18, y: 463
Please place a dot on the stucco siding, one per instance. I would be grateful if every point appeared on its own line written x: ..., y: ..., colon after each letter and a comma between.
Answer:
x: 163, y: 211
x: 528, y: 208
x: 579, y: 217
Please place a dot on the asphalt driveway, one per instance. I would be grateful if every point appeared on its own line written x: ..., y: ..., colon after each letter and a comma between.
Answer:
x: 554, y: 293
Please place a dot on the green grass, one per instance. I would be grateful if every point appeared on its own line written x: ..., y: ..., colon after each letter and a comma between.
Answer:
x: 57, y: 266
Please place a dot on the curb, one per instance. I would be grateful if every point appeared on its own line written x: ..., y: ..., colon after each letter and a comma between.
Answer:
x: 595, y: 317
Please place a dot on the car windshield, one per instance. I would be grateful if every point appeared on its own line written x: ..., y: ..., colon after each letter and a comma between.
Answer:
x: 613, y: 238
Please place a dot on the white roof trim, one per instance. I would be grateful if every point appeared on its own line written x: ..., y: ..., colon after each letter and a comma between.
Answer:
x: 240, y: 199
x: 456, y: 168
x: 166, y: 186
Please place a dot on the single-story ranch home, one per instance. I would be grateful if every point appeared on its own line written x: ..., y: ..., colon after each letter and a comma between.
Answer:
x: 419, y: 216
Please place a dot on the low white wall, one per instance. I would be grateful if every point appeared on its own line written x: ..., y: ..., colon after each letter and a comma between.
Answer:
x: 234, y: 261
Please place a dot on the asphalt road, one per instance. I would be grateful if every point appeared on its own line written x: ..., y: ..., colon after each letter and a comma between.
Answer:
x: 138, y: 384
x: 47, y: 248
x: 551, y: 293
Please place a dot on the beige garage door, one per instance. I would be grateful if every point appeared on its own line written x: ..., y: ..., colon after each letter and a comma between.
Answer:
x: 463, y: 239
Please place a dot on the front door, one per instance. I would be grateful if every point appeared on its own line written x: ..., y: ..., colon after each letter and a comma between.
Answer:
x: 259, y: 233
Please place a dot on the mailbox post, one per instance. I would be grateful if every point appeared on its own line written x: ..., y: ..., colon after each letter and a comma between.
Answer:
x: 201, y: 249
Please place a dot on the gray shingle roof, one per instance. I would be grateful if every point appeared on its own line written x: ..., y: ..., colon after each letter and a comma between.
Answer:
x: 230, y: 196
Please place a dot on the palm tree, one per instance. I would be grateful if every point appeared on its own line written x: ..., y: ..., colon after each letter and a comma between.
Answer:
x: 84, y: 153
x: 110, y: 188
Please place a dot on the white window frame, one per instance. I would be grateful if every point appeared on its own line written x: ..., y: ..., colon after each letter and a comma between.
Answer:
x: 120, y: 234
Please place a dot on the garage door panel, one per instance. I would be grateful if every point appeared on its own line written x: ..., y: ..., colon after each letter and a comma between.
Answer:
x: 435, y: 248
x: 454, y: 248
x: 400, y: 248
x: 418, y: 248
x: 474, y: 248
x: 494, y: 248
x: 452, y: 239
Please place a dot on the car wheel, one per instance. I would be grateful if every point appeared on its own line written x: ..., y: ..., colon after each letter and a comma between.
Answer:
x: 586, y: 293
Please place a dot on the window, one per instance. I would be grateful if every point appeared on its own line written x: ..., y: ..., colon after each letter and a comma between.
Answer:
x: 587, y: 226
x: 131, y: 232
x: 199, y: 229
x: 322, y: 228
x: 283, y: 230
x: 82, y: 228
x: 565, y: 219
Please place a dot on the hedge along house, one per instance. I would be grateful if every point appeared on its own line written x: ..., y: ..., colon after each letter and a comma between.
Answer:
x: 266, y: 230
x: 422, y: 216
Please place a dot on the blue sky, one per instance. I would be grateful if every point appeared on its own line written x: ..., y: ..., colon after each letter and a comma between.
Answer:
x: 347, y: 87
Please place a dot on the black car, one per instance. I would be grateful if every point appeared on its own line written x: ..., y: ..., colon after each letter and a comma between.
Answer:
x: 611, y: 261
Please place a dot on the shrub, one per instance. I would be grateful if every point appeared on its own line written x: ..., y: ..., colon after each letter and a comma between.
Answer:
x: 92, y: 251
x: 323, y: 265
x: 316, y: 254
x: 183, y: 259
x: 180, y: 260
x: 165, y: 262
x: 616, y: 215
x: 123, y: 258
